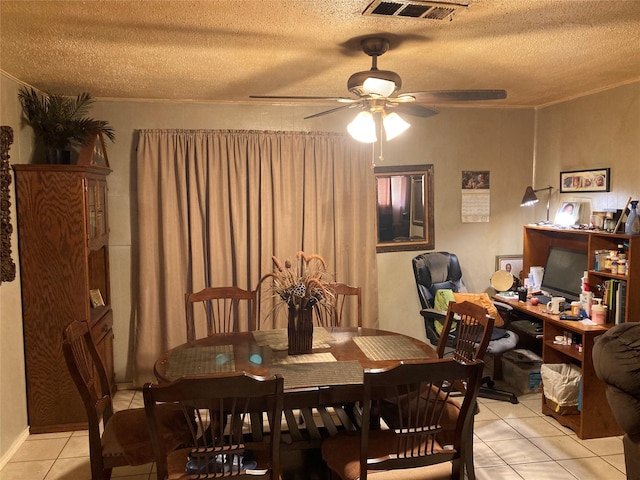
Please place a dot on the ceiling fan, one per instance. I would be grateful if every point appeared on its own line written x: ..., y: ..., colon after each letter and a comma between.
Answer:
x: 374, y: 90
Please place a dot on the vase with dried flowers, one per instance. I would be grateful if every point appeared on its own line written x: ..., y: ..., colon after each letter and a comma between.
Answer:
x: 304, y: 288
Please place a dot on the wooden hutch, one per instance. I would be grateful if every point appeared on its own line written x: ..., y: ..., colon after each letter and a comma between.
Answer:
x: 63, y: 239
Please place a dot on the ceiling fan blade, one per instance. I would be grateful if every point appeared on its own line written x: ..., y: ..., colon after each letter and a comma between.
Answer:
x: 302, y: 97
x: 326, y: 112
x: 440, y: 96
x: 413, y: 109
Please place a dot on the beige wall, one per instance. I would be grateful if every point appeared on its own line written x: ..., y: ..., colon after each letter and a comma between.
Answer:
x: 13, y: 406
x: 596, y: 131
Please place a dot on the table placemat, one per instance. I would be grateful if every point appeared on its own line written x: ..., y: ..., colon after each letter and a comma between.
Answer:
x: 277, y: 338
x: 280, y: 358
x: 201, y: 360
x: 389, y: 347
x: 300, y: 375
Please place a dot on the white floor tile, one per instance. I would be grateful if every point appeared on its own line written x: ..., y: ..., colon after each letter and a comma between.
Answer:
x: 509, y: 410
x: 483, y: 456
x: 31, y: 470
x: 70, y: 469
x: 76, y: 447
x: 47, y: 449
x: 562, y: 447
x: 592, y: 468
x: 497, y: 473
x: 492, y: 430
x: 617, y: 461
x: 531, y: 427
x: 603, y: 446
x: 518, y: 451
x: 543, y: 470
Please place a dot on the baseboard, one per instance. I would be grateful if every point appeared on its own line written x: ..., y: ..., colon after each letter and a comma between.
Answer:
x: 14, y: 448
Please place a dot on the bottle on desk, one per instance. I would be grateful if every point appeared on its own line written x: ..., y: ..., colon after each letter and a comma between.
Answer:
x: 586, y: 299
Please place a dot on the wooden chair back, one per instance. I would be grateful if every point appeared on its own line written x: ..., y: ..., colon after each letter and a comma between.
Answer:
x: 425, y: 426
x: 472, y: 331
x: 228, y: 410
x: 346, y: 303
x: 222, y: 310
x: 90, y: 377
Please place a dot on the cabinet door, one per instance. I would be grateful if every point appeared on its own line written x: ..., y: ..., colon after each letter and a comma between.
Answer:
x: 96, y: 211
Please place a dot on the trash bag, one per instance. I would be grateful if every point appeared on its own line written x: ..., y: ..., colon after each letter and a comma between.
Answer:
x: 561, y: 383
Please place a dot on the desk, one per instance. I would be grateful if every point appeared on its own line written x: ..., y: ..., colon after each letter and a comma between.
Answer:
x: 331, y: 375
x: 595, y: 420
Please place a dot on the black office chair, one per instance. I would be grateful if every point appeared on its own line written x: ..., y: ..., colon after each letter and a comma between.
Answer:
x: 441, y: 270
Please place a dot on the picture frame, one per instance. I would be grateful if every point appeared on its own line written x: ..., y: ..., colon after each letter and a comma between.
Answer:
x: 568, y: 214
x: 510, y: 263
x: 96, y: 298
x: 596, y: 180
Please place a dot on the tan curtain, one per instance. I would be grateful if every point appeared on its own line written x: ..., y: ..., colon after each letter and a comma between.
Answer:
x: 214, y: 206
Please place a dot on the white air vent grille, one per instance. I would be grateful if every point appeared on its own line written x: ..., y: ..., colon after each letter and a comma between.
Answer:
x: 414, y: 9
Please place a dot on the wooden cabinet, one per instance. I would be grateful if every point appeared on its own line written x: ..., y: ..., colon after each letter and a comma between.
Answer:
x: 595, y: 419
x: 64, y: 255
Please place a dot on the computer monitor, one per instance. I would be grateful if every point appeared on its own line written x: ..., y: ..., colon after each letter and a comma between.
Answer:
x: 563, y: 273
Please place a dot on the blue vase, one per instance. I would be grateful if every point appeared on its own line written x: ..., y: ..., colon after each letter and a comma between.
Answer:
x: 632, y: 225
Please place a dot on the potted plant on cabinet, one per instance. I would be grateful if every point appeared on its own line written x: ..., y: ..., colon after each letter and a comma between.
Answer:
x: 59, y: 122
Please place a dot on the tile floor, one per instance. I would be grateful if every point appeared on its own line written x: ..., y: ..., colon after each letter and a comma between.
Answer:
x: 513, y: 442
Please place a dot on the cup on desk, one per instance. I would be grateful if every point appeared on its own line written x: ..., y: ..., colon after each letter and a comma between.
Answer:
x: 575, y: 308
x: 556, y: 305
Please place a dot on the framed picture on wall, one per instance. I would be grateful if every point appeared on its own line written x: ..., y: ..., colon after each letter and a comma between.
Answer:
x: 598, y: 180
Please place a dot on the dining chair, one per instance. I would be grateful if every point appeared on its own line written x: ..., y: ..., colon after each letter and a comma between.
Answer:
x: 230, y: 439
x: 223, y: 307
x: 426, y: 434
x: 473, y: 331
x: 346, y: 301
x: 125, y: 439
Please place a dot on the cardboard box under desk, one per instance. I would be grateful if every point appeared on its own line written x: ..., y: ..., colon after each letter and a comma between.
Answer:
x: 521, y: 370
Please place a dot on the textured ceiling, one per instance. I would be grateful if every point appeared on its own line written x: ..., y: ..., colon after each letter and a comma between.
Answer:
x: 540, y: 51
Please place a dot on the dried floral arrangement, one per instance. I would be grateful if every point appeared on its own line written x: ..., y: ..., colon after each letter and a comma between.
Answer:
x: 303, y: 285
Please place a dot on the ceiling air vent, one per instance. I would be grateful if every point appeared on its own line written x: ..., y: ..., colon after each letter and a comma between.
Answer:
x: 414, y: 9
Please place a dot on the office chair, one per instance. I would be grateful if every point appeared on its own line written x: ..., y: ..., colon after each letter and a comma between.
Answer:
x: 436, y: 271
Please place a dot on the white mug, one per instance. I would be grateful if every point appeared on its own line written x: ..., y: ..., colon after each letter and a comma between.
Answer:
x: 556, y: 305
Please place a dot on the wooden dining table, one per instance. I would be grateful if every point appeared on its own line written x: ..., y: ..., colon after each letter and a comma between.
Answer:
x: 316, y: 384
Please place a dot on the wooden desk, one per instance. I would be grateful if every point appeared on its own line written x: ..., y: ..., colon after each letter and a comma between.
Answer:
x: 595, y: 420
x: 331, y: 375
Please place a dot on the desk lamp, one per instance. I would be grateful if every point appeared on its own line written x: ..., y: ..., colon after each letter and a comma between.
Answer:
x: 530, y: 198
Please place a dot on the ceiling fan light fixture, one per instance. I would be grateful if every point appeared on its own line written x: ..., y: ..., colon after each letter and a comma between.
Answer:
x: 394, y: 125
x: 378, y: 86
x: 363, y: 127
x: 360, y: 82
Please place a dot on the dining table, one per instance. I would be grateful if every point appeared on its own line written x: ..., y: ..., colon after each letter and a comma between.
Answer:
x: 317, y: 385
